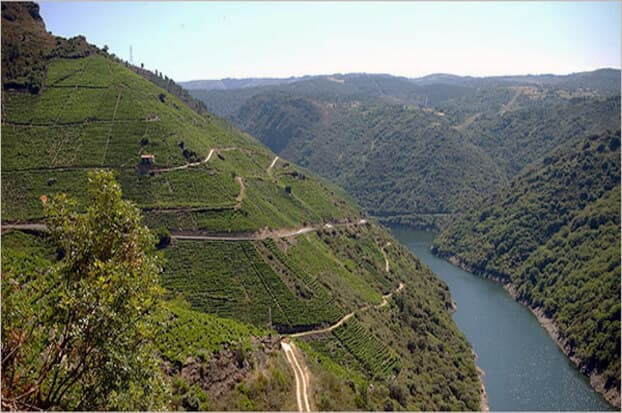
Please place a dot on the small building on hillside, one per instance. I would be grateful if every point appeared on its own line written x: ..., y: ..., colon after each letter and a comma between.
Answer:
x: 147, y: 159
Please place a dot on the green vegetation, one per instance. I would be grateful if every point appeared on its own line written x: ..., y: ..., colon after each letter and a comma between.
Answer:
x: 231, y: 279
x: 422, y: 151
x: 367, y: 349
x: 537, y: 126
x: 375, y: 149
x: 187, y: 333
x: 411, y: 329
x: 554, y: 235
x: 215, y: 341
x: 91, y: 309
x: 97, y: 113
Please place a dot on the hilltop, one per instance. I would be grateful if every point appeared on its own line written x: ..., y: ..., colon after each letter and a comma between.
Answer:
x: 256, y: 247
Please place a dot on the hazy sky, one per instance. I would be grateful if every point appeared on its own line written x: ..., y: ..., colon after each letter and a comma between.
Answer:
x: 208, y: 40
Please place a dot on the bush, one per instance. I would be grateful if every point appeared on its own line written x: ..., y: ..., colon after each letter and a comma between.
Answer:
x: 164, y: 238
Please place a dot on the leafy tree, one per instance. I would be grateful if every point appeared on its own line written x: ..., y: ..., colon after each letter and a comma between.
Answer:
x: 78, y: 335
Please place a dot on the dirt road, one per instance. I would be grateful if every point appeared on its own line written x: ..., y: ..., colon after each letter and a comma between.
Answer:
x: 240, y: 236
x: 385, y: 301
x: 188, y: 165
x: 276, y: 158
x: 302, y: 378
x: 300, y: 374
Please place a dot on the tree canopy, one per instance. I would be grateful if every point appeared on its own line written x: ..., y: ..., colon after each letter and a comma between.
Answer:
x: 77, y: 331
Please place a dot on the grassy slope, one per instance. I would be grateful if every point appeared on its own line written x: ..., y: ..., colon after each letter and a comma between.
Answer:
x: 93, y: 112
x: 554, y: 235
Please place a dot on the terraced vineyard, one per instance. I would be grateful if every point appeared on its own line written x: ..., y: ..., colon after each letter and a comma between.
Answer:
x: 230, y: 279
x: 187, y: 333
x: 372, y: 353
x: 95, y: 113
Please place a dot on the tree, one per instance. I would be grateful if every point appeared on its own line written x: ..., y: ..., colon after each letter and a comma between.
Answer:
x: 79, y: 335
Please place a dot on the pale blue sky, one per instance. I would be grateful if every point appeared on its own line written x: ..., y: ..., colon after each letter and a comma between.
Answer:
x: 210, y: 40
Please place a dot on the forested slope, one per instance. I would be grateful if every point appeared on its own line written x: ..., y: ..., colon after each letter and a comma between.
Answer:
x: 422, y: 151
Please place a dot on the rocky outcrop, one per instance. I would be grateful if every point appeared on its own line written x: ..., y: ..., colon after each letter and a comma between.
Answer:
x: 219, y: 374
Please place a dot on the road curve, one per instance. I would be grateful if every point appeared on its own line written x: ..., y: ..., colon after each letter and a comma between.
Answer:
x: 241, y: 236
x: 385, y: 301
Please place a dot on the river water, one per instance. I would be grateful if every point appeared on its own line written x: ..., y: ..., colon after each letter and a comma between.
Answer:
x: 525, y: 370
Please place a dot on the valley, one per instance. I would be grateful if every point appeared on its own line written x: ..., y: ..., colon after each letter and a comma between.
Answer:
x: 281, y: 244
x: 524, y: 369
x: 435, y: 153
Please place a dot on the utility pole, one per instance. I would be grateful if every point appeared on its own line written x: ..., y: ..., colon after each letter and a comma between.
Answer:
x: 270, y: 317
x: 131, y: 57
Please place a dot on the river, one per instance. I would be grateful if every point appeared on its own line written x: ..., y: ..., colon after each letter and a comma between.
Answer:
x: 525, y: 370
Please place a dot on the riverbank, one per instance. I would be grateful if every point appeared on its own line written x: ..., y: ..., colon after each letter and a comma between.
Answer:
x: 483, y: 402
x: 612, y: 395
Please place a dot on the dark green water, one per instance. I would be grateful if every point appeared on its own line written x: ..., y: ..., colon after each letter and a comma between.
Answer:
x: 524, y: 368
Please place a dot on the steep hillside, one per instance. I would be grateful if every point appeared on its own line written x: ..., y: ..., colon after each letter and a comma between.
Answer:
x: 554, y: 238
x: 27, y: 47
x: 256, y: 248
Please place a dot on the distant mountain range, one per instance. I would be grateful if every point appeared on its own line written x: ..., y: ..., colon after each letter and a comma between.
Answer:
x: 601, y: 79
x: 386, y: 139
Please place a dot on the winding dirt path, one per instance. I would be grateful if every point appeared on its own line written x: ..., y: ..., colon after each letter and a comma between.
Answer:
x: 385, y: 301
x: 188, y: 165
x: 188, y: 235
x: 257, y: 236
x: 302, y: 379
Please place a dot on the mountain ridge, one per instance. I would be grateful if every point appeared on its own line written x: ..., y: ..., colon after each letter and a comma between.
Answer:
x: 432, y: 78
